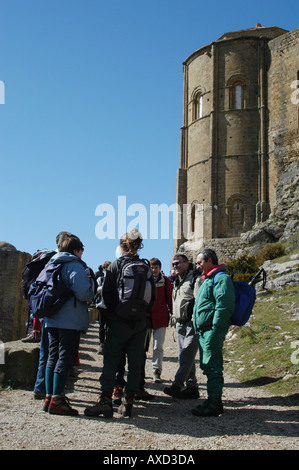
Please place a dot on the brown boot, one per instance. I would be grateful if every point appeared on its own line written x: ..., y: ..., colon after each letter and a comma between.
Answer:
x: 47, y: 403
x: 59, y: 405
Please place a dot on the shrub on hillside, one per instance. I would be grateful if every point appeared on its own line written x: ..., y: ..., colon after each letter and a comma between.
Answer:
x: 271, y: 251
x: 243, y: 268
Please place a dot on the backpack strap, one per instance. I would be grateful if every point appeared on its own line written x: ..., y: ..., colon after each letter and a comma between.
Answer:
x: 195, y: 275
x: 218, y: 274
x: 146, y: 261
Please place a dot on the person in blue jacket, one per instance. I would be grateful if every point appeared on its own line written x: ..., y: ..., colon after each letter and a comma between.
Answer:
x: 65, y: 327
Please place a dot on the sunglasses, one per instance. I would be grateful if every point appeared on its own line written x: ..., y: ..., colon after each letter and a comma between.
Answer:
x: 176, y: 263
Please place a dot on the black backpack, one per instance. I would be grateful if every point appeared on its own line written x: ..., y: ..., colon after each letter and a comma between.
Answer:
x: 134, y: 289
x: 33, y: 268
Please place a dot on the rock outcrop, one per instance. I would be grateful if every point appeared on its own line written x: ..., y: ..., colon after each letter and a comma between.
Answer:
x: 20, y: 363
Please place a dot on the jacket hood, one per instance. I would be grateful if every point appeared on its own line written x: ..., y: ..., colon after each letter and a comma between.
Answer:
x: 65, y: 257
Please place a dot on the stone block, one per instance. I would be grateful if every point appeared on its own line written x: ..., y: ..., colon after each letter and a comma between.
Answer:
x: 20, y: 364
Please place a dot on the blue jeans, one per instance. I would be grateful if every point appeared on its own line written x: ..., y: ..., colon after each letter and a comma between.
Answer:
x: 187, y: 341
x: 39, y: 386
x: 63, y: 349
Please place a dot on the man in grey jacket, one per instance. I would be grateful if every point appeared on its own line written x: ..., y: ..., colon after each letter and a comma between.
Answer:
x: 185, y: 383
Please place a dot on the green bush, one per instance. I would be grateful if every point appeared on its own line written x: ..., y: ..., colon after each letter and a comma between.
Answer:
x: 245, y: 277
x: 271, y: 251
x: 243, y: 268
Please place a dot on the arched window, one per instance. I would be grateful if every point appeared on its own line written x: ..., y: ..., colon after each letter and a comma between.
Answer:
x: 237, y: 216
x: 237, y: 92
x: 193, y: 219
x: 236, y: 212
x: 197, y: 103
x: 239, y: 104
x: 198, y: 106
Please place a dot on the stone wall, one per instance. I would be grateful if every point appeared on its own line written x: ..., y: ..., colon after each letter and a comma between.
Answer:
x: 226, y: 248
x: 283, y: 106
x: 13, y: 308
x: 19, y: 363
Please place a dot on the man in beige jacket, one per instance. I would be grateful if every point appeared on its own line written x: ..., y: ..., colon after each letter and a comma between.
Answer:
x: 185, y: 383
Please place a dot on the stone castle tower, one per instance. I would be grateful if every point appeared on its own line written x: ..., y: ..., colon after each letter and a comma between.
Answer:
x: 240, y: 131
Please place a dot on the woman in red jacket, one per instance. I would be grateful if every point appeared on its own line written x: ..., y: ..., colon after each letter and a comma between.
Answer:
x: 160, y: 315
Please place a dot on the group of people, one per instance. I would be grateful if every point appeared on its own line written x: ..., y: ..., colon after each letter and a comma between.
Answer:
x: 199, y: 306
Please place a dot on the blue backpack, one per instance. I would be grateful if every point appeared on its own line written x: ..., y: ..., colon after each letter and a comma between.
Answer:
x: 33, y: 268
x: 48, y: 293
x: 245, y: 299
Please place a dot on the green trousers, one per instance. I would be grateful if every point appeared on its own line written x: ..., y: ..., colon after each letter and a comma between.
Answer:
x: 211, y: 360
x: 122, y: 338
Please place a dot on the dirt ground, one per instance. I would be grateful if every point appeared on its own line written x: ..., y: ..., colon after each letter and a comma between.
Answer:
x: 252, y: 420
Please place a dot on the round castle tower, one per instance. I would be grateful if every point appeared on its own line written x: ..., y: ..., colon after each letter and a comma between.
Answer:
x: 222, y: 182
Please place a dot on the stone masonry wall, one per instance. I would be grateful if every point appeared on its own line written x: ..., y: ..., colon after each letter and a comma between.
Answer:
x: 13, y: 308
x: 226, y: 248
x: 283, y: 106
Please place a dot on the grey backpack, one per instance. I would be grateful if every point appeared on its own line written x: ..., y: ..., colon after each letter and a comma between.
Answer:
x: 134, y: 289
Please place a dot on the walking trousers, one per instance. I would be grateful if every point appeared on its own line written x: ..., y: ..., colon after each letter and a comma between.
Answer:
x: 187, y: 341
x: 211, y: 360
x: 128, y: 338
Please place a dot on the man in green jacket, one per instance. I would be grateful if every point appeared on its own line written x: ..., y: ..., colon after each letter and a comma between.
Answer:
x: 214, y: 306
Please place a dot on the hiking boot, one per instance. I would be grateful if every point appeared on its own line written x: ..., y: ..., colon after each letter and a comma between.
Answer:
x: 144, y: 395
x: 32, y: 338
x: 173, y: 391
x: 208, y: 408
x: 117, y: 394
x: 189, y: 393
x: 59, y: 405
x: 103, y: 407
x: 47, y: 402
x: 126, y: 407
x: 39, y: 395
x: 157, y: 376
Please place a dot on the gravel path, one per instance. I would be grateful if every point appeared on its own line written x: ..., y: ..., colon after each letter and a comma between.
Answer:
x: 252, y: 420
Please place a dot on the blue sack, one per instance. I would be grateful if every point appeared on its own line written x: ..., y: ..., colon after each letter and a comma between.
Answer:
x: 245, y: 299
x: 48, y: 293
x: 33, y: 268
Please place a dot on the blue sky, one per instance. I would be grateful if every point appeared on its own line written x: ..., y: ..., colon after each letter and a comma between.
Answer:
x: 93, y: 109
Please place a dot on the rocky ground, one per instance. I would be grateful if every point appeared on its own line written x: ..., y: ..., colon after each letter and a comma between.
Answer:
x: 252, y: 419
